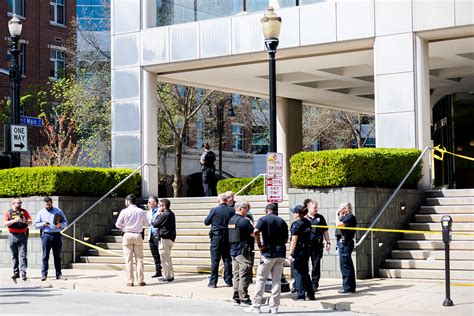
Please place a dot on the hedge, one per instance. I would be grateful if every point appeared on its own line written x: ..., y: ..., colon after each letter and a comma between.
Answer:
x: 68, y: 181
x: 366, y: 167
x: 236, y: 184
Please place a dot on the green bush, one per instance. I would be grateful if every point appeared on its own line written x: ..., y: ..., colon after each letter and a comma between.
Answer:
x: 72, y: 181
x: 236, y: 184
x: 366, y: 167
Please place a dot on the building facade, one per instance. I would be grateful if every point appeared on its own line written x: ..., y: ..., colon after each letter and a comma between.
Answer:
x: 395, y: 59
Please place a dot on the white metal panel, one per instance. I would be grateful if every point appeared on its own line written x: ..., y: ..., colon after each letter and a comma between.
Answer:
x: 393, y: 53
x: 215, y: 37
x: 395, y: 130
x: 126, y: 16
x: 126, y: 49
x: 355, y: 19
x: 432, y: 14
x: 184, y: 42
x: 395, y: 92
x: 155, y: 45
x: 126, y: 150
x: 290, y: 27
x: 464, y: 12
x: 247, y: 34
x: 392, y: 17
x: 126, y: 84
x: 126, y: 116
x: 318, y: 23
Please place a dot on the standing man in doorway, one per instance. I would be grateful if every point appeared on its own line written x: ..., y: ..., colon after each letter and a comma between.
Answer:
x: 131, y: 221
x: 153, y: 234
x: 51, y: 220
x: 208, y: 168
x: 17, y: 220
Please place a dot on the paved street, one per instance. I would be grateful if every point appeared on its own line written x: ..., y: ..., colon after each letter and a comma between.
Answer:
x: 23, y: 299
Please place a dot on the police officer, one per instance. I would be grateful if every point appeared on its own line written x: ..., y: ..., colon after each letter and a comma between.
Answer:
x: 207, y: 171
x: 345, y: 246
x: 219, y: 218
x: 299, y: 253
x: 17, y: 220
x: 241, y: 248
x: 316, y: 244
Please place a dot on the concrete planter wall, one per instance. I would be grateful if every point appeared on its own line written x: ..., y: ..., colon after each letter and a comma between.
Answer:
x: 366, y: 203
x: 96, y: 223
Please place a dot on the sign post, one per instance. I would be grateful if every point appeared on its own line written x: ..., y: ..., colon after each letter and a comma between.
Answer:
x: 18, y: 138
x: 274, y: 182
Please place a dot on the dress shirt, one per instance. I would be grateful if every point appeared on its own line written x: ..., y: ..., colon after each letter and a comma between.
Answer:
x: 132, y: 220
x: 45, y: 215
x: 151, y: 215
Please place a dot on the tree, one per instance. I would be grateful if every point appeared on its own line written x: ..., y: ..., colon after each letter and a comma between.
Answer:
x: 177, y: 105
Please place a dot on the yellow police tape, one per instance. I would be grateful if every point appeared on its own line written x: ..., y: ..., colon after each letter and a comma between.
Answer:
x: 386, y: 230
x: 443, y: 151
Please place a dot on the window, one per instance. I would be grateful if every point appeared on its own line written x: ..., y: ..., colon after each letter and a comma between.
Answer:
x: 259, y: 140
x: 199, y: 134
x: 56, y: 61
x: 57, y: 11
x: 16, y: 7
x: 237, y: 137
x: 21, y: 58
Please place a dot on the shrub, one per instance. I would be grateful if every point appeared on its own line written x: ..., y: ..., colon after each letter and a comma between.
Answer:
x: 236, y: 184
x: 366, y: 167
x: 73, y: 181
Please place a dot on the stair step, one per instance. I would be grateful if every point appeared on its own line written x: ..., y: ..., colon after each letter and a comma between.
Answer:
x: 432, y: 244
x: 428, y: 264
x: 408, y: 236
x: 425, y: 274
x: 445, y: 209
x: 450, y: 201
x: 457, y: 227
x: 450, y: 193
x: 177, y: 246
x: 420, y: 218
x: 436, y: 254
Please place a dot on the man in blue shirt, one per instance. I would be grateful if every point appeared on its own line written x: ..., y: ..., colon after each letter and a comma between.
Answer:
x: 153, y: 234
x: 50, y: 220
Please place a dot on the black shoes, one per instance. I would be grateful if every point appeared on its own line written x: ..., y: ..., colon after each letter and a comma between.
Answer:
x: 59, y: 277
x: 157, y: 274
x: 236, y: 302
x: 246, y: 303
x: 311, y: 298
x: 297, y: 298
x: 212, y: 286
x: 23, y: 277
x: 166, y: 280
x: 342, y: 291
x: 43, y: 278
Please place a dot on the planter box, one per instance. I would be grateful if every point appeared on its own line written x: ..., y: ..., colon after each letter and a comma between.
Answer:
x: 366, y: 204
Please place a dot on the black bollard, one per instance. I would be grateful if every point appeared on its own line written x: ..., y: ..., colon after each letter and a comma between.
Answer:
x: 446, y: 224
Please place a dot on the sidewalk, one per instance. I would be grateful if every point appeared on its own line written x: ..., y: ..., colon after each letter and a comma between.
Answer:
x: 376, y: 296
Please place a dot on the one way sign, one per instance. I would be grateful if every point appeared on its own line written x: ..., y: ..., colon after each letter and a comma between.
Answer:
x: 19, y: 138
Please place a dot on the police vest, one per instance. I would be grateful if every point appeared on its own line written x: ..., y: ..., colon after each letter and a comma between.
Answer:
x: 13, y: 215
x: 234, y: 232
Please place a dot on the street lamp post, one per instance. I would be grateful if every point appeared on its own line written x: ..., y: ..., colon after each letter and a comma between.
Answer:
x: 271, y: 24
x: 230, y: 113
x: 14, y: 26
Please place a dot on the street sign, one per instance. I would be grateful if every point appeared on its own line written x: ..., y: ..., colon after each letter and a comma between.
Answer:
x: 19, y: 138
x: 274, y: 165
x: 32, y: 121
x: 274, y: 190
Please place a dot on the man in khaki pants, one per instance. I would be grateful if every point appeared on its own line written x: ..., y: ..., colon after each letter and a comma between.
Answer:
x: 166, y: 224
x: 131, y: 221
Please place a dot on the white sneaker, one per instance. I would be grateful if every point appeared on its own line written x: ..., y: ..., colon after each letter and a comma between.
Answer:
x: 273, y: 310
x: 252, y: 309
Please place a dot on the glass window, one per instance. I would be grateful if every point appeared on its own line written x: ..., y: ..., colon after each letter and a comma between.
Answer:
x: 260, y: 141
x: 21, y: 58
x: 56, y: 61
x: 199, y: 134
x: 262, y: 5
x: 237, y: 137
x: 17, y: 7
x: 57, y: 11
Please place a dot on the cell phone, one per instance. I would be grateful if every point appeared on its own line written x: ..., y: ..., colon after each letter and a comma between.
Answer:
x: 47, y: 223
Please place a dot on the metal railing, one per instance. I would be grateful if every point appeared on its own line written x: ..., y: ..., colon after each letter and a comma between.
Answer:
x: 384, y: 207
x: 264, y: 175
x: 73, y: 223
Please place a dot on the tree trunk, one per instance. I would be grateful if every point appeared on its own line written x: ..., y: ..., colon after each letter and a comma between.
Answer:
x: 177, y: 183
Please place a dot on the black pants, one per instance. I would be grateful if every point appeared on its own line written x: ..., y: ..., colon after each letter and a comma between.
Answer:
x: 156, y: 254
x: 208, y: 182
x: 345, y: 263
x: 220, y: 249
x: 302, y: 279
x: 48, y: 242
x: 316, y: 254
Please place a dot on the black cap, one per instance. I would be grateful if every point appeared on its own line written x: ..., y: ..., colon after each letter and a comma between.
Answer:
x: 272, y: 207
x: 297, y: 209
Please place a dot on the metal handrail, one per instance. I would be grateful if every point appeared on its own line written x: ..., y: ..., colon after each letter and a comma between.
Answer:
x: 382, y: 210
x: 254, y: 179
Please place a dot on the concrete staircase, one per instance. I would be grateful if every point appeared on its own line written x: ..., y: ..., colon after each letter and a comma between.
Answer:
x: 191, y: 249
x: 421, y: 256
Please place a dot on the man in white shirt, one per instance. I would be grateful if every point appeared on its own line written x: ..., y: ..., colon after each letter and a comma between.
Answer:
x: 131, y: 221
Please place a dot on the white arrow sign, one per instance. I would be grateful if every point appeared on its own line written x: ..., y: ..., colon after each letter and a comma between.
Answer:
x: 19, y: 138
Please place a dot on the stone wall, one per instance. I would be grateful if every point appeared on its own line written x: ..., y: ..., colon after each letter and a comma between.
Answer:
x: 97, y: 223
x: 366, y: 203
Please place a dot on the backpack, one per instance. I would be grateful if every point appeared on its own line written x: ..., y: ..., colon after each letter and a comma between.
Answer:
x: 209, y: 159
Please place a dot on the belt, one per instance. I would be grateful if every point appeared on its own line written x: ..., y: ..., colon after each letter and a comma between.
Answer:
x: 23, y: 233
x: 132, y: 232
x: 52, y: 233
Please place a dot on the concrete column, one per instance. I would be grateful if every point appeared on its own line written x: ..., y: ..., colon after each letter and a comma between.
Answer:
x: 149, y: 133
x: 289, y: 133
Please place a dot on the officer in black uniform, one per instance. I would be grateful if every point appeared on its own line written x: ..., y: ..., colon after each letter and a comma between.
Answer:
x: 219, y: 218
x: 299, y: 253
x: 345, y: 246
x: 207, y: 170
x: 241, y: 249
x: 316, y: 241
